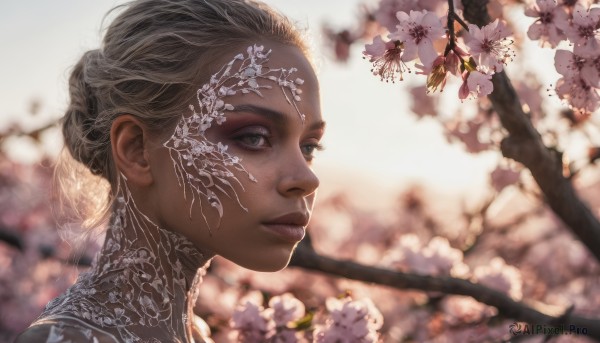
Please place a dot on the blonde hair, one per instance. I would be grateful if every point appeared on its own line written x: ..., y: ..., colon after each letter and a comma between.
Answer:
x: 153, y: 57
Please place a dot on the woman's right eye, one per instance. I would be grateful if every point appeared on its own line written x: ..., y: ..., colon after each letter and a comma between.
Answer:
x: 253, y: 138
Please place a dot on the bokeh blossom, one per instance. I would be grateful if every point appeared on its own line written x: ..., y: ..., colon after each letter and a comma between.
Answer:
x: 435, y: 258
x: 463, y: 309
x: 386, y: 12
x: 285, y: 309
x: 250, y: 320
x: 469, y: 133
x: 350, y: 321
x: 500, y: 276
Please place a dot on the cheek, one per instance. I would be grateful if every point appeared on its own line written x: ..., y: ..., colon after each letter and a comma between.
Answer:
x: 208, y: 175
x: 310, y: 200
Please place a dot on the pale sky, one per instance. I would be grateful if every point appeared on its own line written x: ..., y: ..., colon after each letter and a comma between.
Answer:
x: 373, y: 143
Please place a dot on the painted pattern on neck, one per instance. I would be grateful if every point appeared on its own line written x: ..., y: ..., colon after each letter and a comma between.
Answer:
x: 143, y: 285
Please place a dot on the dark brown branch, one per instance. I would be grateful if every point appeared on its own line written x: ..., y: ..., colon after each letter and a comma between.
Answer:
x: 11, y: 238
x: 305, y: 257
x: 524, y: 144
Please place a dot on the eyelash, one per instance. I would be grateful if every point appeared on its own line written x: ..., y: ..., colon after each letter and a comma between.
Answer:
x: 315, y: 146
x: 242, y: 139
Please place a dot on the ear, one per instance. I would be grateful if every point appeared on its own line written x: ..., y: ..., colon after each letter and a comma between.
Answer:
x: 129, y: 140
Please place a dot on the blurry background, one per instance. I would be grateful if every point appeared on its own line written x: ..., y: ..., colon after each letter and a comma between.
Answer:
x: 377, y: 154
x: 373, y: 148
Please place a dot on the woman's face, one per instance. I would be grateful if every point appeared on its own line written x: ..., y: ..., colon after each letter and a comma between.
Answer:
x: 251, y: 201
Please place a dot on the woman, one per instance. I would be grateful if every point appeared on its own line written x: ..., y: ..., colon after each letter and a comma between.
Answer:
x: 203, y: 115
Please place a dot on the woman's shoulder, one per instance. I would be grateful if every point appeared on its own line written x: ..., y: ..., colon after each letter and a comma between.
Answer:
x: 64, y: 330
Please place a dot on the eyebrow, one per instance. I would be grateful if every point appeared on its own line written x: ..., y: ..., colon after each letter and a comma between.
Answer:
x: 276, y: 116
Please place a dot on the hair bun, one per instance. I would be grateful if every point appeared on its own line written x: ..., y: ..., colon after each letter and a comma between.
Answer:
x: 81, y: 137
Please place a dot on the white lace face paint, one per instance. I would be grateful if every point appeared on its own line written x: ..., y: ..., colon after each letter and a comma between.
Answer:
x: 205, y: 168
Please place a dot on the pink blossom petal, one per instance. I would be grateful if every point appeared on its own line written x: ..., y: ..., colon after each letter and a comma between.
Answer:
x: 589, y: 48
x: 591, y: 74
x: 432, y: 20
x: 403, y: 16
x: 480, y: 83
x: 375, y: 49
x: 386, y: 13
x: 564, y: 63
x: 535, y: 31
x: 410, y: 52
x: 463, y: 91
x: 427, y: 52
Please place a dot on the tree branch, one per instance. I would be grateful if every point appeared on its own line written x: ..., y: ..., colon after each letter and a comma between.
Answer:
x: 305, y: 257
x: 11, y: 238
x: 524, y: 144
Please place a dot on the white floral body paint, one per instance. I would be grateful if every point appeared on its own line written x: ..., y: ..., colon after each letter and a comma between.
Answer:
x: 206, y: 168
x: 142, y: 287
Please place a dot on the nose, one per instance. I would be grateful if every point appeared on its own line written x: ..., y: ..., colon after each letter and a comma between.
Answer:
x: 297, y: 179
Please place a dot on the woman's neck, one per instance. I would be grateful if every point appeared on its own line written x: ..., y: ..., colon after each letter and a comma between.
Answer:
x: 144, y: 283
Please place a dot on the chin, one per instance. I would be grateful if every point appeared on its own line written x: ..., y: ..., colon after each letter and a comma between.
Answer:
x: 267, y: 262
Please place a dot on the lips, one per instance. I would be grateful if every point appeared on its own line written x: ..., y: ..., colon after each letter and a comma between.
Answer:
x: 294, y: 218
x: 289, y: 227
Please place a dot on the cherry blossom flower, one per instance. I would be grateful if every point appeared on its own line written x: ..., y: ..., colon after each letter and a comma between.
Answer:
x: 386, y: 13
x: 571, y: 65
x: 436, y: 258
x: 423, y: 105
x: 567, y: 63
x: 387, y: 59
x: 580, y: 80
x: 250, y: 320
x: 350, y: 321
x: 417, y: 31
x: 444, y: 257
x: 468, y: 133
x: 341, y: 41
x: 480, y: 83
x: 583, y: 30
x: 489, y: 45
x: 578, y: 93
x: 545, y: 28
x: 286, y: 308
x: 500, y: 276
x: 475, y: 84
